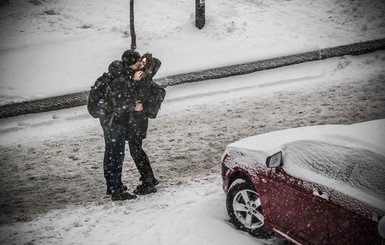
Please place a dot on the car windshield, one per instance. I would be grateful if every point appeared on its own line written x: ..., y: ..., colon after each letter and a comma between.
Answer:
x: 359, y: 168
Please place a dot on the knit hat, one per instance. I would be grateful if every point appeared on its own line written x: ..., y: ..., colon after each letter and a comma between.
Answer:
x: 130, y: 57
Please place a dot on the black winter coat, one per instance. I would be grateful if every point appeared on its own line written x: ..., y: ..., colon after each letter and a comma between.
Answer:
x: 120, y: 96
x: 140, y: 91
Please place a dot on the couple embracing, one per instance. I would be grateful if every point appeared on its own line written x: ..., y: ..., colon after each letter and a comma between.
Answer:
x: 132, y: 99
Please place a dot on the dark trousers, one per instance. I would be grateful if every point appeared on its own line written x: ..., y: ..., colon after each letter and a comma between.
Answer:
x: 114, y: 138
x: 141, y: 160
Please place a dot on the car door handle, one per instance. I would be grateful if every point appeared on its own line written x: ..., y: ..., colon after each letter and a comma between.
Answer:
x: 321, y: 194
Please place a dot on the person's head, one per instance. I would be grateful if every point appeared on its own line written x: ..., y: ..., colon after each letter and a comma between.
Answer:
x: 145, y: 62
x: 131, y: 58
x: 116, y: 68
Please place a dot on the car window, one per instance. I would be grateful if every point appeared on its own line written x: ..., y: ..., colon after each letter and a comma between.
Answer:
x: 327, y: 160
x: 359, y: 168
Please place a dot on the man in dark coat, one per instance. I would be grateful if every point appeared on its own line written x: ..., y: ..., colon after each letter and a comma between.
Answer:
x: 138, y: 123
x: 115, y: 123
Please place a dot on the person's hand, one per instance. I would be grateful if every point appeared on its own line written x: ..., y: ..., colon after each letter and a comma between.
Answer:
x: 138, y: 75
x: 138, y: 106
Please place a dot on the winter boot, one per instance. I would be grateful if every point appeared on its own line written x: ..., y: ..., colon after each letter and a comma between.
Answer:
x: 154, y: 181
x: 122, y: 196
x: 146, y: 188
x: 109, y: 190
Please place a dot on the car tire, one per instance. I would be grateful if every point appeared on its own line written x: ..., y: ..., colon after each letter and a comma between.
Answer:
x: 245, y: 211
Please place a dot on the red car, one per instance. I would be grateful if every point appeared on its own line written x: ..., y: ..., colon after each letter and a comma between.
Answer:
x: 312, y: 185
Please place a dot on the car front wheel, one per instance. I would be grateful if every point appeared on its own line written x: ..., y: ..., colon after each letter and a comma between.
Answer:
x: 245, y: 211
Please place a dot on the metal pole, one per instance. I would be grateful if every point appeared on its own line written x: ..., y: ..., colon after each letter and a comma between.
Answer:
x: 200, y: 13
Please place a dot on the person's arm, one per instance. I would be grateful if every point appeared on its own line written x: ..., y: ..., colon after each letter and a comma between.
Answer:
x: 156, y: 66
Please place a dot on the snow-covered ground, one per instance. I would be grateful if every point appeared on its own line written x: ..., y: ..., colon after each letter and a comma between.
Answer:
x: 52, y: 184
x: 51, y: 181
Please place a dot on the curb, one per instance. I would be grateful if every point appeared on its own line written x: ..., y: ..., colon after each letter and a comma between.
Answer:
x: 80, y: 99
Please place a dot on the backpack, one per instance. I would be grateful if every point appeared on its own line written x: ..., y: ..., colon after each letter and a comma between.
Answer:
x: 156, y: 97
x: 97, y: 104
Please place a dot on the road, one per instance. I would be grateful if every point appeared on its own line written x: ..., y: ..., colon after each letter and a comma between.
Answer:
x: 187, y: 139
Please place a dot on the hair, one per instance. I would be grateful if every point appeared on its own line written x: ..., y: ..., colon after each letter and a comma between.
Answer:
x: 147, y: 69
x: 150, y: 61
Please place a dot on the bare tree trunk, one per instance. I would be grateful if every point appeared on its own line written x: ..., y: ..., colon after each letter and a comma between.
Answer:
x: 132, y: 26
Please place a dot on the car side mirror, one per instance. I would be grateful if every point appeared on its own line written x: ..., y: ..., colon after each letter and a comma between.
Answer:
x: 274, y: 160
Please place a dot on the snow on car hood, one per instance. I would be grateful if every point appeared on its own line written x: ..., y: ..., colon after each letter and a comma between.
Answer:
x: 314, y: 153
x: 368, y: 135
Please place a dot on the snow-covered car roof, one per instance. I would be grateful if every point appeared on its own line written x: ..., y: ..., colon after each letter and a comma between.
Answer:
x: 325, y: 154
x: 368, y: 135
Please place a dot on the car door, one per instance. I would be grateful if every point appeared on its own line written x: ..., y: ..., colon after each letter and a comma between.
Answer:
x: 353, y: 215
x: 351, y: 226
x: 298, y: 208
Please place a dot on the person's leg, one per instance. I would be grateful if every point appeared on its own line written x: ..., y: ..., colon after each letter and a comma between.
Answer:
x: 107, y: 158
x: 141, y: 160
x: 114, y: 166
x: 143, y: 165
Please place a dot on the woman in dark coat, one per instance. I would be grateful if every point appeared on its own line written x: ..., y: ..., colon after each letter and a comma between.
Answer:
x: 138, y: 123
